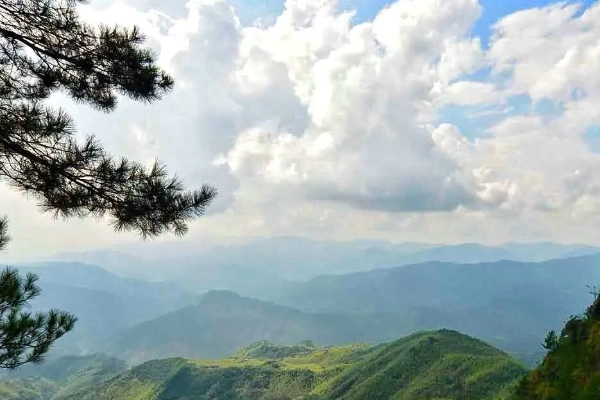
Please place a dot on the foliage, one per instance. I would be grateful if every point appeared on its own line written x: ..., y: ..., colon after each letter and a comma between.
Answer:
x: 26, y: 337
x: 28, y: 389
x: 571, y: 369
x: 551, y: 341
x: 437, y: 365
x: 425, y: 366
x: 45, y: 47
x: 58, y: 378
x: 266, y: 349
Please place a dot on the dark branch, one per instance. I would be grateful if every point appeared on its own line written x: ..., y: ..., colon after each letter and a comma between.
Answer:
x: 44, y: 47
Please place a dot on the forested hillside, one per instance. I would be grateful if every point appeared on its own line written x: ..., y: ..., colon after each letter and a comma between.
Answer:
x: 58, y: 378
x: 571, y: 369
x: 432, y: 365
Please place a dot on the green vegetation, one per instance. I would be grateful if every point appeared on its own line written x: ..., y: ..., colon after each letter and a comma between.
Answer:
x: 26, y: 337
x: 28, y: 389
x: 431, y: 365
x: 571, y: 369
x: 60, y: 378
x: 266, y: 349
x: 441, y: 365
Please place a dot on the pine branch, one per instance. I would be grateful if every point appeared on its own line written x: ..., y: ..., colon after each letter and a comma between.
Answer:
x: 44, y: 47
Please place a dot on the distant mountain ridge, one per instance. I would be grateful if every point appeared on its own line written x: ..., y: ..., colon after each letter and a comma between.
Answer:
x: 104, y: 303
x: 257, y: 265
x: 509, y: 304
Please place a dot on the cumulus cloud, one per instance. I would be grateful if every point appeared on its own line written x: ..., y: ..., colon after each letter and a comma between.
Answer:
x: 367, y: 91
x: 314, y: 124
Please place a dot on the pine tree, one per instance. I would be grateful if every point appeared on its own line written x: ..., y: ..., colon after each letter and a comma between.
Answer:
x: 24, y: 337
x: 45, y: 47
x: 551, y: 341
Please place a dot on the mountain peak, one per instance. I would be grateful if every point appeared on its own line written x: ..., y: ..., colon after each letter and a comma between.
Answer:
x: 218, y: 296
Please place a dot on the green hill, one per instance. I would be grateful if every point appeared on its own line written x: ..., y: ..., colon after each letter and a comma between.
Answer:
x: 440, y: 365
x: 58, y: 378
x: 266, y: 349
x: 571, y: 369
x: 431, y: 365
x: 28, y: 389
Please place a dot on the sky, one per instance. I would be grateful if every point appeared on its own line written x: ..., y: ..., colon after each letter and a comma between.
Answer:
x: 441, y: 121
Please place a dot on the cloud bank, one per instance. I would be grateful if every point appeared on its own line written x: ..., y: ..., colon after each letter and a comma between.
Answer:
x: 406, y: 127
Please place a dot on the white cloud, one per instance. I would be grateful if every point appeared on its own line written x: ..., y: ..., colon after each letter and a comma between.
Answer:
x: 467, y: 93
x: 315, y: 125
x: 367, y: 94
x: 549, y: 52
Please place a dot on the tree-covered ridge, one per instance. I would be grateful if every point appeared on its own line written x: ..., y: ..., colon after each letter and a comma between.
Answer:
x: 440, y: 365
x: 571, y: 369
x: 58, y: 378
x: 28, y: 389
x: 266, y: 349
x: 429, y: 365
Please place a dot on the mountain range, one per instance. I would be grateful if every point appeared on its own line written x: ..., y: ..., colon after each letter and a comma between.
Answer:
x: 222, y: 323
x: 255, y: 266
x: 104, y: 303
x: 510, y: 304
x: 507, y: 303
x: 279, y: 292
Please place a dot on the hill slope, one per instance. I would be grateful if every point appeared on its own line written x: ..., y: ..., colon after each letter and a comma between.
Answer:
x: 104, y: 303
x: 498, y: 302
x: 444, y: 364
x: 571, y: 369
x: 433, y: 365
x: 224, y: 322
x: 58, y: 378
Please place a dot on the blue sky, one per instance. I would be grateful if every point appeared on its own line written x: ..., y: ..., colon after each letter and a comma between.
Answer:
x: 493, y: 10
x: 472, y: 120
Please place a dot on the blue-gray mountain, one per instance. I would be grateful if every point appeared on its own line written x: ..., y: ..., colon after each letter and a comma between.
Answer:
x: 104, y: 303
x: 510, y: 304
x: 256, y: 266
